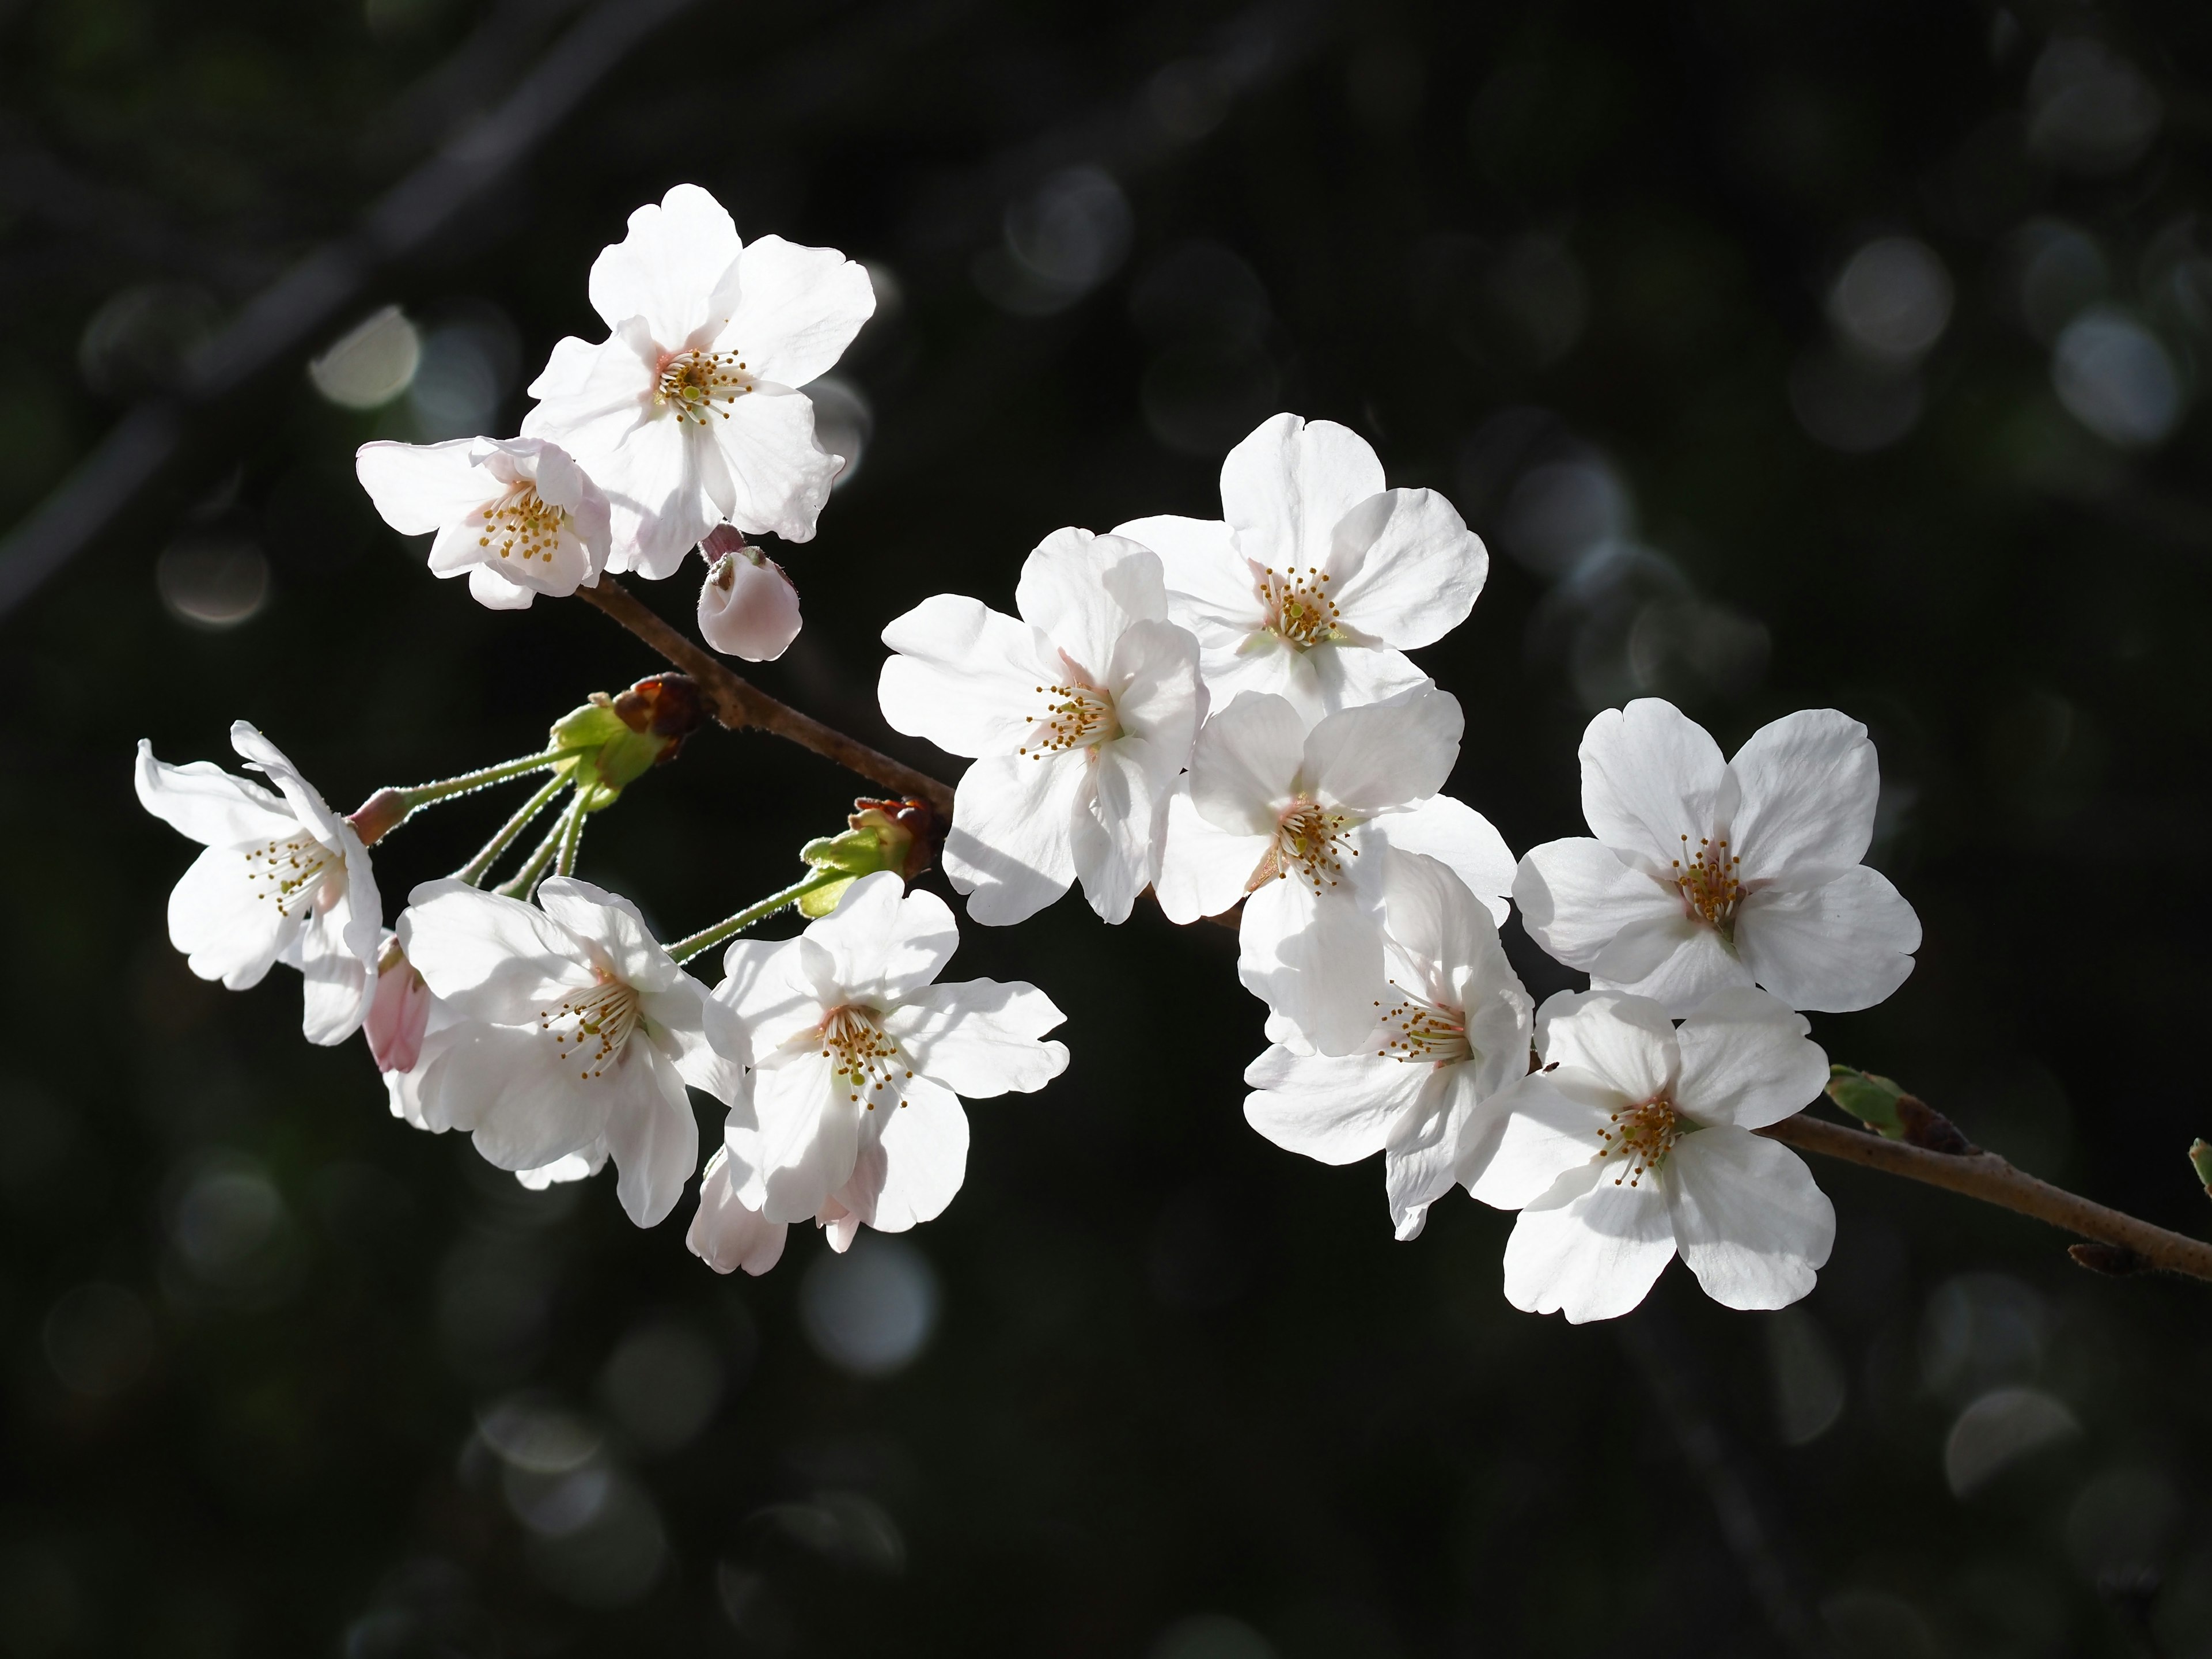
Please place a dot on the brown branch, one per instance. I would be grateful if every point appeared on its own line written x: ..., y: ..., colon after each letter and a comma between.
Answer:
x: 739, y: 703
x: 1990, y: 1178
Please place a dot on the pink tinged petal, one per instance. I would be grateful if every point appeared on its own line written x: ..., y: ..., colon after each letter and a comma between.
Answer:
x: 1245, y: 764
x: 912, y: 1165
x: 798, y: 309
x: 1207, y: 579
x: 749, y: 610
x: 668, y: 270
x: 419, y: 487
x: 1388, y: 754
x: 1419, y: 568
x: 1577, y: 896
x: 1809, y: 783
x: 398, y: 1016
x: 1628, y: 1042
x: 337, y: 984
x: 615, y: 926
x: 980, y: 1037
x: 1746, y: 1061
x: 1011, y: 847
x: 209, y: 804
x: 1588, y: 1248
x: 652, y: 1136
x: 809, y: 1137
x: 1334, y: 1108
x: 1204, y: 870
x: 726, y: 1236
x: 1460, y: 838
x: 1286, y: 487
x: 1547, y: 1132
x: 227, y: 928
x: 1157, y: 696
x: 1082, y: 590
x: 495, y: 592
x: 493, y: 958
x: 1834, y: 949
x: 1315, y: 957
x: 1753, y: 1225
x: 1651, y: 776
x: 966, y: 677
x: 779, y: 475
x: 886, y: 944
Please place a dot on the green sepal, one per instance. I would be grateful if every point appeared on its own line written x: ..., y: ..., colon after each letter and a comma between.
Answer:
x: 2200, y: 1159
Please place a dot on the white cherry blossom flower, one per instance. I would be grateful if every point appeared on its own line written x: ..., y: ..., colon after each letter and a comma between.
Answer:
x: 860, y: 1061
x: 1635, y: 1141
x: 1080, y: 715
x: 724, y: 1234
x: 748, y: 606
x: 283, y: 879
x: 573, y: 1034
x: 1449, y: 1034
x: 1319, y: 579
x: 688, y: 413
x: 1705, y: 872
x: 515, y: 514
x: 1296, y: 822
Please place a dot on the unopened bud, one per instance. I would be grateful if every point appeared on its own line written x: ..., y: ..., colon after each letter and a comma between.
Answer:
x: 2200, y: 1159
x: 748, y: 607
x: 378, y: 815
x: 1871, y: 1099
x: 880, y: 835
x: 611, y: 742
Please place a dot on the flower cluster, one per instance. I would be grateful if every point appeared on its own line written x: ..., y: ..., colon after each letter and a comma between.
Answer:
x: 686, y: 425
x: 1219, y: 714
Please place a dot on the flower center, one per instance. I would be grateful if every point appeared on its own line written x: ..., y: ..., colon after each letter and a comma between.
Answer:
x: 861, y: 1054
x: 1422, y: 1036
x: 695, y: 381
x: 524, y: 526
x: 1298, y: 607
x: 1710, y: 882
x: 1643, y: 1135
x: 1075, y: 717
x: 296, y: 874
x: 590, y: 1028
x: 1307, y: 844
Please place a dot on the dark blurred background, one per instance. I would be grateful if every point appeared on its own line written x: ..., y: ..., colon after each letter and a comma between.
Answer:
x: 1789, y: 354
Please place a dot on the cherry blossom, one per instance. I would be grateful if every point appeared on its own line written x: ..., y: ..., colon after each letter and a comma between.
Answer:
x: 688, y: 413
x: 1706, y: 872
x: 573, y: 1034
x: 726, y: 1236
x: 859, y: 1060
x: 283, y: 879
x: 1449, y: 1033
x: 1080, y: 715
x: 515, y: 514
x: 747, y: 605
x: 1319, y: 579
x: 1635, y: 1141
x: 1296, y: 822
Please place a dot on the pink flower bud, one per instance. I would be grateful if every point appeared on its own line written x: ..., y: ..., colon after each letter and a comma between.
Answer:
x: 748, y: 607
x: 400, y: 1012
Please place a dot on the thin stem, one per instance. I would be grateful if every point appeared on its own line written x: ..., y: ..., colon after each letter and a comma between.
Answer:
x: 739, y: 703
x: 478, y: 868
x: 706, y: 938
x: 572, y: 837
x: 518, y: 884
x: 1990, y: 1178
x: 422, y: 794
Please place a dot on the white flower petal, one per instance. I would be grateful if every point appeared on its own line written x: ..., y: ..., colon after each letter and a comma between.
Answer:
x: 652, y: 1136
x: 615, y: 926
x: 1334, y: 1109
x: 798, y: 309
x: 212, y: 806
x: 510, y: 1085
x: 419, y: 487
x: 1207, y: 579
x: 809, y: 1136
x: 886, y: 944
x: 1752, y: 1223
x: 1548, y: 1132
x: 1627, y: 1041
x: 1588, y: 1248
x: 766, y: 986
x: 724, y: 1234
x: 1346, y: 673
x: 913, y: 1157
x: 967, y: 678
x: 1809, y: 782
x: 1316, y: 957
x: 1410, y: 568
x: 1011, y: 847
x: 339, y: 984
x: 1246, y: 762
x: 1460, y: 838
x: 980, y: 1037
x: 1834, y: 949
x: 1115, y: 839
x: 1651, y: 776
x: 1082, y: 590
x: 1576, y: 897
x: 1285, y: 487
x: 1385, y: 754
x: 670, y: 269
x: 493, y: 591
x: 492, y: 958
x: 1158, y: 696
x: 1203, y: 869
x: 780, y: 475
x: 1670, y: 960
x: 226, y: 930
x: 1746, y: 1061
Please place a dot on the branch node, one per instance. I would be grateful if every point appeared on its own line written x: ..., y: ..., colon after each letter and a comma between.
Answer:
x: 2113, y: 1261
